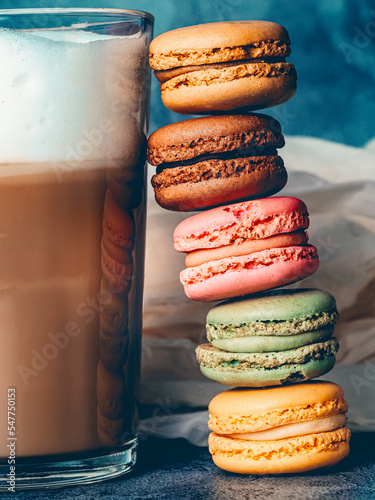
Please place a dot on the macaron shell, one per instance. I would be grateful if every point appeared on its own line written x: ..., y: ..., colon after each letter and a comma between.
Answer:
x: 216, y: 182
x: 198, y: 44
x: 272, y: 343
x: 236, y: 276
x: 240, y: 221
x: 192, y: 138
x: 243, y: 88
x: 262, y: 377
x: 250, y: 410
x: 293, y: 455
x: 278, y: 312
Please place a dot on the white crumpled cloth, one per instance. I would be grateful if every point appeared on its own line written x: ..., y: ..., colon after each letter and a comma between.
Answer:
x: 337, y: 183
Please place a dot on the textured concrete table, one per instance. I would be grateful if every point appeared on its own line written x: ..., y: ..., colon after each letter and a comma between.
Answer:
x: 172, y: 469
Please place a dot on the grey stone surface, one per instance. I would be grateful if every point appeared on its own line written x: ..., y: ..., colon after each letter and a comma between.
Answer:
x: 172, y: 469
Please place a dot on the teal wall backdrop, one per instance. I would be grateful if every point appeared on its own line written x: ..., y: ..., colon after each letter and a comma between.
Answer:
x: 333, y: 49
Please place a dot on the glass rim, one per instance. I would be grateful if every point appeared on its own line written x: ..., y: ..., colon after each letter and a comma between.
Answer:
x: 78, y: 10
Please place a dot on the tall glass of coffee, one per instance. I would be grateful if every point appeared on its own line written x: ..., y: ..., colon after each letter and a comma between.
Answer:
x: 74, y: 103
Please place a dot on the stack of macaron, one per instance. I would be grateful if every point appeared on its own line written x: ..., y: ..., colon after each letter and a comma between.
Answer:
x: 243, y: 245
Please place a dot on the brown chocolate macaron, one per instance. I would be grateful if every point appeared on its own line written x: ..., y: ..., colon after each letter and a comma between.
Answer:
x: 214, y: 160
x: 223, y: 66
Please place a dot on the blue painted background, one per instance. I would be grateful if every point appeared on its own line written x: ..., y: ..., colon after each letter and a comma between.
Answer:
x: 333, y: 49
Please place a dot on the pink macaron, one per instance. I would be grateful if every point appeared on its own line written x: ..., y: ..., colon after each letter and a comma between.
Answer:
x: 245, y: 248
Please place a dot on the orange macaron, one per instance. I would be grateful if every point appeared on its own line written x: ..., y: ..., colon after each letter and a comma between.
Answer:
x: 276, y: 430
x: 223, y: 66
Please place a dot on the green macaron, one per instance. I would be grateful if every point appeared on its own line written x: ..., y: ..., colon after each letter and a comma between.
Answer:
x: 270, y: 338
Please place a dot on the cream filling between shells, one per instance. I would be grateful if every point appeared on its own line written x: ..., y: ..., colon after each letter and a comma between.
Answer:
x: 326, y: 424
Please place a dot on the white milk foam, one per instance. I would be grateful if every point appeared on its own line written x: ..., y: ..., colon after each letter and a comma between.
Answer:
x: 67, y: 96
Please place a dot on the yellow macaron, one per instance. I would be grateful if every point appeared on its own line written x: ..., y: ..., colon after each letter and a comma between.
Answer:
x: 223, y: 66
x: 277, y: 430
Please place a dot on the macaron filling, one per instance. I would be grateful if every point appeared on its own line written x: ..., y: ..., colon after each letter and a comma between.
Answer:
x: 254, y: 151
x: 212, y: 357
x: 175, y: 58
x: 240, y: 411
x: 167, y: 74
x: 326, y: 424
x: 198, y: 257
x: 213, y: 134
x: 272, y: 343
